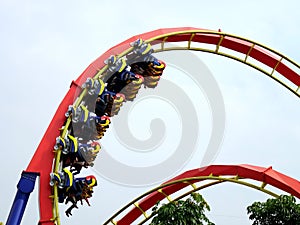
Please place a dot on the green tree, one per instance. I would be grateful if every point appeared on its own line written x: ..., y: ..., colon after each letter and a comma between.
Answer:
x: 275, y: 211
x: 182, y: 212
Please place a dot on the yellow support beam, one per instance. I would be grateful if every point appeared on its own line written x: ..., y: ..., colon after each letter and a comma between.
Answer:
x: 113, y: 222
x: 167, y: 196
x: 191, y: 38
x: 194, y: 186
x: 219, y: 43
x: 144, y: 213
x: 248, y: 53
x: 263, y: 185
x: 163, y: 43
x: 279, y: 61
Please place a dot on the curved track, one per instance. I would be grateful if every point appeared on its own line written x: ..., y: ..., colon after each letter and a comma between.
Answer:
x: 201, y: 178
x: 275, y: 65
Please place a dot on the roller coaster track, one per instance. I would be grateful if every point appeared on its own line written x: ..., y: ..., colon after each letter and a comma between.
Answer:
x: 139, y: 210
x: 253, y: 54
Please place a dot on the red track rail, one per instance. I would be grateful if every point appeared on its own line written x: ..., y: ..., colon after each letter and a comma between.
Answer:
x: 265, y: 175
x: 44, y: 151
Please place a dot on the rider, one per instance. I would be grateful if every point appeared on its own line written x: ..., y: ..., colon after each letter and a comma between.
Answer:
x: 119, y: 74
x: 84, y: 123
x: 141, y: 59
x: 104, y: 103
x: 94, y: 89
x: 73, y: 189
x: 88, y: 152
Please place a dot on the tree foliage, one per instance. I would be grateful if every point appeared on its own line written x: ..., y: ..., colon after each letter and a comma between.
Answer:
x: 275, y: 211
x: 182, y: 212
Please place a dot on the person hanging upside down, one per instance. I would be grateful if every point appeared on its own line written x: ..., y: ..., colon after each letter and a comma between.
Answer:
x: 104, y: 103
x: 94, y: 88
x: 118, y: 74
x: 85, y: 123
x: 77, y: 155
x: 142, y: 61
x: 71, y: 189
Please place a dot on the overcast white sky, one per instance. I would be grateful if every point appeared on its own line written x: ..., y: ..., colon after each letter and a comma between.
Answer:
x: 44, y: 46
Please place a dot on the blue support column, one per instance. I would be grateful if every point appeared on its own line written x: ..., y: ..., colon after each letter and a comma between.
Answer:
x: 25, y: 187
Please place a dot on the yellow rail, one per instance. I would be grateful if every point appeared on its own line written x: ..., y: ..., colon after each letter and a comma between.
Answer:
x: 164, y: 38
x: 215, y: 180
